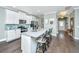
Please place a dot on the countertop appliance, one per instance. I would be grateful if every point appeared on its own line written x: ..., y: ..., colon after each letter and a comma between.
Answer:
x: 23, y: 29
x: 22, y: 21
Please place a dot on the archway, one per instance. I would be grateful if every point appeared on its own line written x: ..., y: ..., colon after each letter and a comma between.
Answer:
x: 62, y: 24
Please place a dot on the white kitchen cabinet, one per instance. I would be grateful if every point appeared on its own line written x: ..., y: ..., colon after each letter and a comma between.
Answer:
x: 25, y: 16
x: 16, y: 18
x: 22, y: 16
x: 12, y: 17
x: 34, y: 18
x: 29, y: 19
x: 25, y: 44
x: 29, y: 41
x: 28, y: 44
x: 12, y: 34
x: 18, y: 33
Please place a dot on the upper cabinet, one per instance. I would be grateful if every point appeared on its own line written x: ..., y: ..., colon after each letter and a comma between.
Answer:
x: 31, y: 18
x: 28, y: 18
x: 21, y: 16
x: 12, y: 17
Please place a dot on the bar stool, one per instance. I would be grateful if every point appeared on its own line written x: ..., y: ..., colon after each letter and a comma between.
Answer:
x: 41, y: 45
x: 47, y: 40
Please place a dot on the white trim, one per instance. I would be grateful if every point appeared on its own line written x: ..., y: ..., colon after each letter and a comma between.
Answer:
x: 1, y: 40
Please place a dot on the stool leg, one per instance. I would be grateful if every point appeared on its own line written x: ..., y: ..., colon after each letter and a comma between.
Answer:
x: 37, y: 47
x: 44, y: 47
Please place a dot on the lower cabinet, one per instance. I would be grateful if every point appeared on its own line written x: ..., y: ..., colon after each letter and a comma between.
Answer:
x: 12, y: 34
x: 18, y: 33
x: 28, y: 44
x: 25, y: 44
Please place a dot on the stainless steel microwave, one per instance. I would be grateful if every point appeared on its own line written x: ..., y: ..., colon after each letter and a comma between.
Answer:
x: 22, y: 21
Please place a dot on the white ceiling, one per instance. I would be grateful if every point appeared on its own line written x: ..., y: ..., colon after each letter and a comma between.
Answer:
x: 39, y: 10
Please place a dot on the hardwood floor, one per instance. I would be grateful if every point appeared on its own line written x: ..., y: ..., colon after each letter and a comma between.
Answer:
x: 63, y: 43
x: 11, y: 47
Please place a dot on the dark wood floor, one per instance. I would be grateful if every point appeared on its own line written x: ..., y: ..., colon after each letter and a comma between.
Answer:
x: 63, y: 43
x: 11, y: 47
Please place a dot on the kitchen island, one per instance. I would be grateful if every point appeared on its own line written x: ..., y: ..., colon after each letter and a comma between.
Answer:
x: 29, y: 41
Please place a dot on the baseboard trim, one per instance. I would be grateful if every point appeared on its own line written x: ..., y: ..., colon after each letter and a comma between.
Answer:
x: 1, y: 40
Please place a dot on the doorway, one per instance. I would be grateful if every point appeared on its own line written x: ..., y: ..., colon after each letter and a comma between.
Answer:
x: 62, y: 24
x: 66, y: 24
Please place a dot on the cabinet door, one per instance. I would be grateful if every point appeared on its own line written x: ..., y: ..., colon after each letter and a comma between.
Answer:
x: 11, y: 17
x: 15, y: 18
x: 21, y: 16
x: 24, y: 16
x: 18, y: 33
x: 10, y: 35
x: 25, y: 44
x: 28, y: 19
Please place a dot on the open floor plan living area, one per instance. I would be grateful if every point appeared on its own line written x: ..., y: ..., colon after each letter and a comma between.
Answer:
x: 39, y: 29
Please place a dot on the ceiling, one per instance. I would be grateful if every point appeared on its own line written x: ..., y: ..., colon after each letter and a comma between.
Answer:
x: 40, y: 10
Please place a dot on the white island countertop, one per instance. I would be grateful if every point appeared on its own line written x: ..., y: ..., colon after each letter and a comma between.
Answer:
x: 29, y: 42
x: 34, y: 34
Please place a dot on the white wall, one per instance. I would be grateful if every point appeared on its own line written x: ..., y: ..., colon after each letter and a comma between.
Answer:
x: 55, y: 25
x: 76, y: 23
x: 2, y: 24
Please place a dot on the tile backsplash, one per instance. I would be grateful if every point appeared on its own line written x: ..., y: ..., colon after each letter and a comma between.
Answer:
x: 15, y: 26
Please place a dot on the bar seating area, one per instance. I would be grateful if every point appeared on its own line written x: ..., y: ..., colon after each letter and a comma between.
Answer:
x: 43, y: 42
